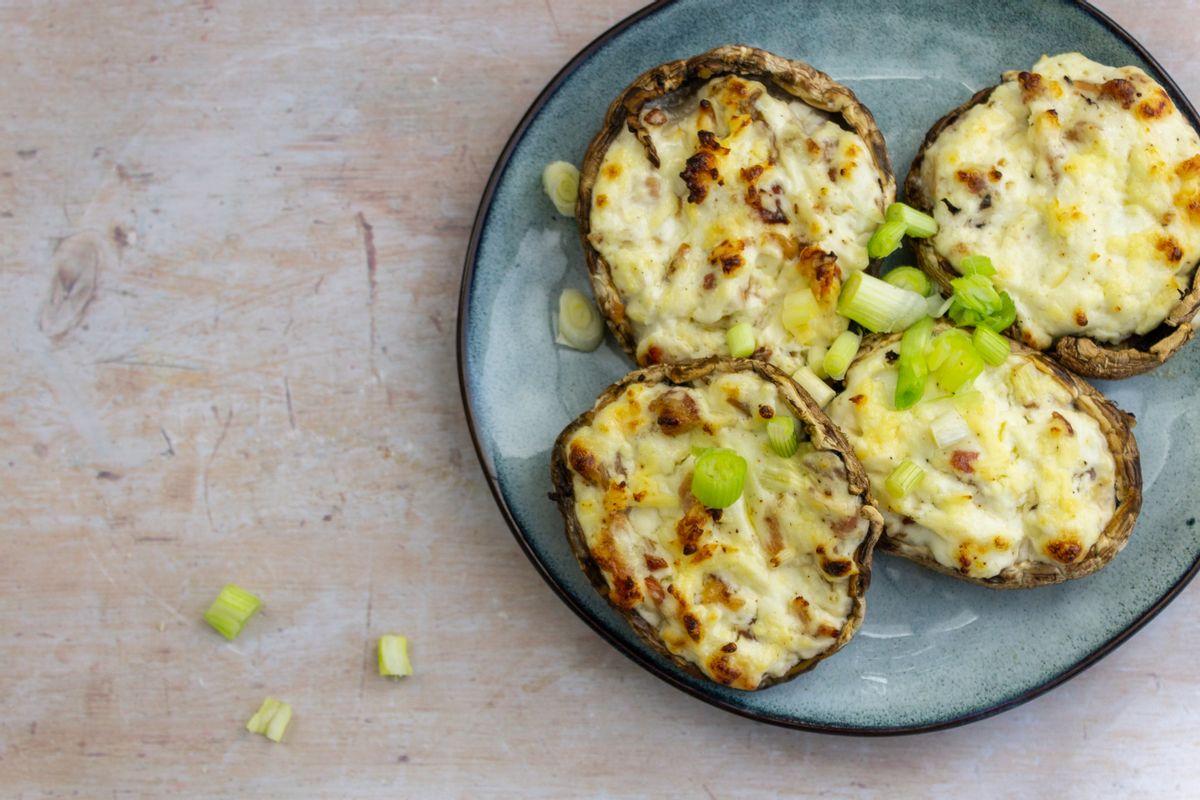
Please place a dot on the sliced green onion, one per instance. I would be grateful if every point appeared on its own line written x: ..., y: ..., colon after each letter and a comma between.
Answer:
x: 886, y: 239
x: 840, y: 354
x: 579, y: 324
x: 740, y: 339
x: 992, y: 346
x: 976, y: 265
x: 912, y: 370
x: 818, y: 389
x: 232, y: 609
x: 958, y: 362
x: 271, y: 719
x: 938, y: 306
x: 393, y: 656
x: 917, y: 223
x: 976, y: 302
x: 800, y: 308
x: 816, y: 361
x: 909, y: 278
x: 560, y: 180
x: 903, y: 479
x: 877, y: 305
x: 781, y: 433
x: 718, y: 478
x: 949, y: 429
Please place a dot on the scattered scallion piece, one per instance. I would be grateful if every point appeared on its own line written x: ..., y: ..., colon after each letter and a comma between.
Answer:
x: 993, y: 347
x: 917, y: 224
x: 781, y: 433
x: 912, y: 370
x: 877, y: 305
x: 958, y: 362
x: 740, y: 339
x: 579, y: 324
x: 840, y: 354
x: 903, y: 479
x: 800, y: 308
x: 232, y: 609
x: 886, y: 239
x: 718, y: 477
x: 816, y: 361
x: 271, y: 719
x: 949, y: 429
x: 818, y: 389
x: 977, y: 302
x: 393, y: 656
x: 910, y: 278
x: 976, y: 265
x: 560, y: 180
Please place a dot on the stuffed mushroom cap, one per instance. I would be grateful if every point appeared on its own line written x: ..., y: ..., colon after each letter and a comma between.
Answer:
x: 1081, y: 182
x: 1030, y: 478
x: 746, y: 595
x: 735, y: 186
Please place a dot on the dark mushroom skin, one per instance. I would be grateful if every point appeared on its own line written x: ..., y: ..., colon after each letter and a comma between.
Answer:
x: 1115, y: 425
x: 792, y: 79
x: 567, y: 466
x: 1082, y: 355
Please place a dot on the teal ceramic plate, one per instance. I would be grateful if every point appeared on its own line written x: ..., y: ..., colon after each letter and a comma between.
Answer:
x: 933, y: 652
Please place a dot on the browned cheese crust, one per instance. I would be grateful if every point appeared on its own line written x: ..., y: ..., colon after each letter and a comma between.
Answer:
x: 1080, y: 354
x: 824, y: 436
x: 797, y: 79
x: 1117, y: 427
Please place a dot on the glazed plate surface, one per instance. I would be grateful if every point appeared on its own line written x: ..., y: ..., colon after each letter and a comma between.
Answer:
x: 933, y: 652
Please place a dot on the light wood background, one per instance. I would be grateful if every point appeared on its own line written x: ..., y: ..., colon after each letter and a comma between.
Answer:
x: 231, y: 237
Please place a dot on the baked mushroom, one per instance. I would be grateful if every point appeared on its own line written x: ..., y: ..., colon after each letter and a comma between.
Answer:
x: 732, y: 187
x: 746, y: 591
x: 1081, y: 182
x: 1030, y: 478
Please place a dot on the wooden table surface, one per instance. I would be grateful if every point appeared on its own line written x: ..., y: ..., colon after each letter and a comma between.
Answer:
x: 231, y: 237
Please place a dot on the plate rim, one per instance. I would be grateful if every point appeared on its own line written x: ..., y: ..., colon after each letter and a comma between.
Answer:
x: 635, y: 655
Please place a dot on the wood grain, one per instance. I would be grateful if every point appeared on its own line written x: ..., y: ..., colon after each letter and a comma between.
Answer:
x: 231, y: 237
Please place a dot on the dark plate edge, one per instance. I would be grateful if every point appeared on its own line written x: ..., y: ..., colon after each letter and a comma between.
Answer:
x: 638, y: 657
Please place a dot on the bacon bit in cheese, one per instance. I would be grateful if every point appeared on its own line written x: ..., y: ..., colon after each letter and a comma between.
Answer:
x: 1081, y: 318
x: 715, y: 590
x: 698, y: 172
x: 1031, y: 85
x: 654, y: 590
x: 1065, y: 427
x: 1120, y: 90
x: 675, y: 412
x: 690, y: 528
x: 728, y: 256
x: 585, y: 465
x: 821, y: 271
x: 962, y: 460
x: 971, y: 179
x: 654, y: 563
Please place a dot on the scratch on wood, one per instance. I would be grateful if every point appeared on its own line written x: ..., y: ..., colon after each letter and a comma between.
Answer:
x: 368, y: 237
x: 553, y: 19
x: 287, y: 391
x: 211, y: 457
x: 170, y: 447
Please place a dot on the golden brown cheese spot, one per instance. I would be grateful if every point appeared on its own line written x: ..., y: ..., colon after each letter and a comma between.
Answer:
x: 1189, y: 202
x: 1032, y: 85
x: 601, y: 200
x: 698, y: 172
x: 858, y: 399
x: 722, y: 669
x: 1169, y: 248
x: 709, y: 142
x: 971, y: 179
x: 715, y: 590
x: 625, y: 592
x: 675, y: 412
x: 731, y: 647
x: 1064, y: 551
x: 612, y: 171
x: 583, y: 461
x: 962, y: 460
x: 728, y: 256
x: 1119, y: 90
x: 690, y: 528
x: 1081, y: 318
x: 1189, y: 168
x: 800, y: 608
x: 614, y: 499
x: 1156, y: 106
x: 837, y: 568
x: 994, y: 175
x: 821, y: 271
x: 692, y: 625
x: 826, y: 631
x: 704, y: 554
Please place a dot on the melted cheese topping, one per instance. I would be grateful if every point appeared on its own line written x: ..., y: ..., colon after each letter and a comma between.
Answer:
x: 1082, y: 183
x: 745, y: 592
x: 1034, y: 481
x: 755, y: 199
